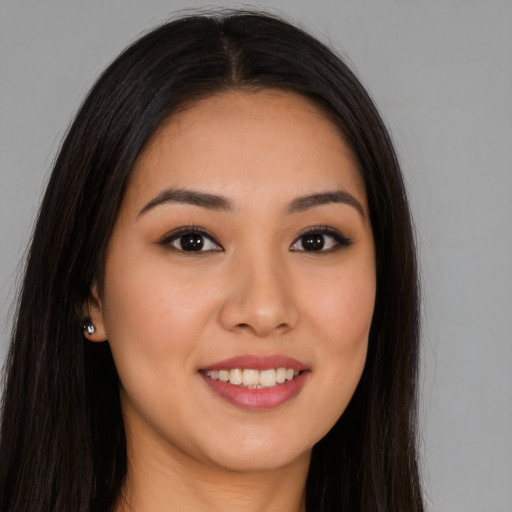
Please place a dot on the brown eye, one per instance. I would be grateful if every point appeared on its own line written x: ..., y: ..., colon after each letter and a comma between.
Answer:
x: 191, y: 240
x: 313, y: 242
x: 320, y: 240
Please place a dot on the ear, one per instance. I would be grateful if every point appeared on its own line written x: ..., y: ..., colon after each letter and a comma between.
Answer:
x: 93, y: 314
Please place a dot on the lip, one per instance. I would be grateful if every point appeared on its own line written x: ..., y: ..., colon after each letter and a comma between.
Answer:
x: 257, y: 399
x: 256, y: 362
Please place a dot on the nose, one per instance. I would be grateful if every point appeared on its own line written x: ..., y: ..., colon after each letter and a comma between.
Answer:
x: 260, y: 299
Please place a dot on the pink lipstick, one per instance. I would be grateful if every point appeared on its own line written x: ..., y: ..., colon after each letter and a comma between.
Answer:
x: 256, y: 382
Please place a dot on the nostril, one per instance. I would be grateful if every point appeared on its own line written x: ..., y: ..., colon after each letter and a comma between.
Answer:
x: 248, y: 310
x: 259, y: 329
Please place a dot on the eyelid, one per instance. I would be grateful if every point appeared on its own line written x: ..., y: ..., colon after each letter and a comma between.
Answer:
x: 183, y: 230
x: 340, y: 239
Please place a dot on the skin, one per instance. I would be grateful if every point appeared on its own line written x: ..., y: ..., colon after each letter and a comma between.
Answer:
x: 168, y: 313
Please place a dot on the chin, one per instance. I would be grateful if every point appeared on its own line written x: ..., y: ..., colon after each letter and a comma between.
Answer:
x: 259, y: 453
x: 259, y: 463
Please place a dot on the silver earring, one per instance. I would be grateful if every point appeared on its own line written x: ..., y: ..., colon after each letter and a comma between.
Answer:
x: 88, y: 327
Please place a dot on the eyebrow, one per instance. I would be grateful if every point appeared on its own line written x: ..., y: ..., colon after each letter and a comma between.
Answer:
x: 194, y: 197
x: 215, y: 202
x: 337, y: 196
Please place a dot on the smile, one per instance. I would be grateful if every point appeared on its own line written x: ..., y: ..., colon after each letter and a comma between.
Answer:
x: 251, y: 378
x: 256, y: 382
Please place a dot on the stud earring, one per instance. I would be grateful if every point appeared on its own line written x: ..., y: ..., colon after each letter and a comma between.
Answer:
x: 88, y: 327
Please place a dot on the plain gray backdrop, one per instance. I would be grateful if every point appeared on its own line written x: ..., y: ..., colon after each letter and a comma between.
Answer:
x: 441, y: 73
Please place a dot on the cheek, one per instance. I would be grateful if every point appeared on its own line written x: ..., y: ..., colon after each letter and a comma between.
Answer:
x: 343, y: 308
x: 154, y: 320
x: 155, y: 315
x: 341, y: 317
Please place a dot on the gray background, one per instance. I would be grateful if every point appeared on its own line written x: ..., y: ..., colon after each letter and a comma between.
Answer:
x: 441, y: 73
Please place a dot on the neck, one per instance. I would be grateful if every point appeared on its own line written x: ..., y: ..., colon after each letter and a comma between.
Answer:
x: 164, y: 479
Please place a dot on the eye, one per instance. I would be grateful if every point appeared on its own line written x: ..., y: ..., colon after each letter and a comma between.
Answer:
x: 320, y: 239
x: 191, y: 240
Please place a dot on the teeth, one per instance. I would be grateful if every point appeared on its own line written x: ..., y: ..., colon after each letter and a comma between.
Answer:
x: 268, y: 378
x: 250, y: 378
x: 254, y: 379
x: 280, y: 375
x: 235, y: 376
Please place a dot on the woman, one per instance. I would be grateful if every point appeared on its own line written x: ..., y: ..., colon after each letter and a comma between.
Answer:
x: 228, y: 212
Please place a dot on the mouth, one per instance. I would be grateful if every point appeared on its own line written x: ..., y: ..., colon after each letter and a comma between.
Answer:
x: 251, y: 378
x: 256, y: 382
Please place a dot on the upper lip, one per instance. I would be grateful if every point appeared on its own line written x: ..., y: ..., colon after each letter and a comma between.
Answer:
x: 257, y: 362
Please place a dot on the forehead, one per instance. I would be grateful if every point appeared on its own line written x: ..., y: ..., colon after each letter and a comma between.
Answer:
x: 245, y: 143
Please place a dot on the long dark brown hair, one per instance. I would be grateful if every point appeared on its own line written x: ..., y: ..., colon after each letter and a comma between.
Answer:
x: 63, y: 445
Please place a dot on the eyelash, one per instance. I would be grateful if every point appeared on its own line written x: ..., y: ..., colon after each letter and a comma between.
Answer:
x: 338, y: 238
x: 340, y: 241
x: 176, y: 234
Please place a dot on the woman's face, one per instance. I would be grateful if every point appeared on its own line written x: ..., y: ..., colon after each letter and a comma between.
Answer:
x: 239, y: 283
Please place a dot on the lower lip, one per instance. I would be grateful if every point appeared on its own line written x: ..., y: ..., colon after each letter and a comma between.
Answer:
x: 257, y: 399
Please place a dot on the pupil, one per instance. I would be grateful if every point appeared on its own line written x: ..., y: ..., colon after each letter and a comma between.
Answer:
x: 313, y: 242
x: 192, y: 242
